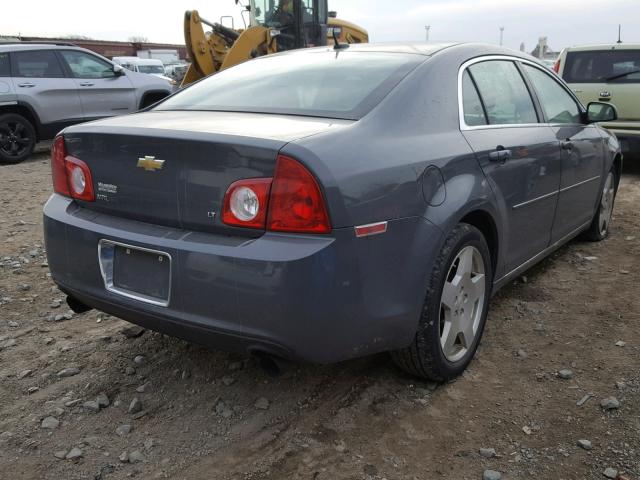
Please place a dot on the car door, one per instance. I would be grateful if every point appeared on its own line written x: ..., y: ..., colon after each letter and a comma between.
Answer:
x: 40, y: 82
x: 581, y: 149
x: 103, y: 92
x: 519, y: 156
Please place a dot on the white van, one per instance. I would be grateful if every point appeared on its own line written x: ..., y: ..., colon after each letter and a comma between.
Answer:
x: 150, y: 66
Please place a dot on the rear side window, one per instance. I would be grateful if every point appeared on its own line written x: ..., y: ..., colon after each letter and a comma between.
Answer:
x: 505, y: 95
x: 558, y: 105
x: 36, y: 64
x: 619, y: 66
x: 325, y: 84
x: 5, y: 67
x: 471, y: 103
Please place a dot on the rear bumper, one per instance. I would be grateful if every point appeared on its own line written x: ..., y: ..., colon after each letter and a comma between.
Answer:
x: 315, y: 298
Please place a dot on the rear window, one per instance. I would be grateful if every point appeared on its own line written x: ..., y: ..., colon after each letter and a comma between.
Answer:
x: 322, y: 83
x: 619, y: 66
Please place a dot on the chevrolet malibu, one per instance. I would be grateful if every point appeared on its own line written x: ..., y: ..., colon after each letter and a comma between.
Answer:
x: 325, y: 204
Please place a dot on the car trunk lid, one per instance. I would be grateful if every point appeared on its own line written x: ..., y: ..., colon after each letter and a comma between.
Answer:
x: 173, y: 168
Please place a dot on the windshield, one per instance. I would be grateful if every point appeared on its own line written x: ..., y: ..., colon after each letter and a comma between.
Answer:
x: 274, y: 13
x: 150, y: 69
x: 619, y: 66
x: 315, y: 83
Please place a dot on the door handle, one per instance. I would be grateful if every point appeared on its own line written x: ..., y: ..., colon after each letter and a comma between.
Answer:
x: 86, y: 84
x: 500, y: 154
x: 567, y: 145
x: 27, y: 85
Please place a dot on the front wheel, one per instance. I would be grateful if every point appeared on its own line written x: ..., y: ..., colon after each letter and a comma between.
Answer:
x: 455, y: 309
x: 599, y: 229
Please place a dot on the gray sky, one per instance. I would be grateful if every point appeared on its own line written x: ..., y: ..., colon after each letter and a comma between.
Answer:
x: 565, y: 22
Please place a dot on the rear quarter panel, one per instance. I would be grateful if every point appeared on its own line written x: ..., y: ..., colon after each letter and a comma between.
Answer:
x: 374, y: 170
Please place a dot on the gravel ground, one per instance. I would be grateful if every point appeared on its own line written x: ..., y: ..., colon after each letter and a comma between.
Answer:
x: 553, y: 393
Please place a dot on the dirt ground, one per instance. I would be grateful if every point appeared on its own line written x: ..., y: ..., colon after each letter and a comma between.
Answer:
x: 212, y: 415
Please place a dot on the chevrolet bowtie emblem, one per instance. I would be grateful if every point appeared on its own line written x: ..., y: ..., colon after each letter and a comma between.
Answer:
x: 150, y: 164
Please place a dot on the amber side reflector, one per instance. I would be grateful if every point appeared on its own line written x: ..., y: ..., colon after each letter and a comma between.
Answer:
x: 371, y: 229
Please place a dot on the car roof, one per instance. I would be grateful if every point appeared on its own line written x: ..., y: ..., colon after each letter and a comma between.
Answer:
x: 604, y: 47
x: 422, y: 48
x: 16, y: 46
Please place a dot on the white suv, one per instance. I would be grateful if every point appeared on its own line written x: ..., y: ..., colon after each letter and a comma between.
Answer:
x: 46, y: 87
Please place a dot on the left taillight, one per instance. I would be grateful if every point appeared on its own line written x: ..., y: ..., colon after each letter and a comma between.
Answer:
x: 71, y: 176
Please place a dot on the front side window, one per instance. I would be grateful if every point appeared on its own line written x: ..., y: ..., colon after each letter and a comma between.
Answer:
x: 36, y: 64
x: 83, y: 65
x: 558, y: 105
x: 471, y: 103
x: 5, y: 67
x: 615, y: 66
x: 505, y: 95
x: 317, y: 83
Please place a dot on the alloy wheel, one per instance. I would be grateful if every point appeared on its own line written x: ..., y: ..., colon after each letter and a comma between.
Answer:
x: 606, y: 204
x: 462, y: 303
x: 14, y: 138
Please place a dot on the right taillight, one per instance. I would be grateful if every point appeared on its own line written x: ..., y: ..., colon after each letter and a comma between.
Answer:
x: 556, y: 66
x: 291, y: 201
x: 71, y: 176
x: 296, y: 203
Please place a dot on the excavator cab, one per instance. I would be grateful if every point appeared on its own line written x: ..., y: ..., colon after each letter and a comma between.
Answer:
x: 292, y: 23
x: 274, y: 26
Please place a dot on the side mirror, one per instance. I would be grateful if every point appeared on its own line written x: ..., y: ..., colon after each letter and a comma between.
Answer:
x: 118, y: 70
x: 601, y: 112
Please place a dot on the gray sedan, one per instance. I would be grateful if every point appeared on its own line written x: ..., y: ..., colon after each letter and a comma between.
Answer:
x: 327, y: 204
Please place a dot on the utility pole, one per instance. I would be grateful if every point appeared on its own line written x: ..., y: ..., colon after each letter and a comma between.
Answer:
x: 501, y: 35
x: 427, y: 28
x: 619, y: 33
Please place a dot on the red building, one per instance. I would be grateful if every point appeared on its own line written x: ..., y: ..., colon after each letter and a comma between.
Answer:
x: 111, y: 49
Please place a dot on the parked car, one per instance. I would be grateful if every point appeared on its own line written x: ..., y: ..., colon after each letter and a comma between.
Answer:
x: 327, y: 204
x: 149, y: 66
x: 608, y: 73
x: 46, y: 87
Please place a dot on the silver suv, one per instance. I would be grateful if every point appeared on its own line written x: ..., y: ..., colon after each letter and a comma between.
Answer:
x: 46, y: 87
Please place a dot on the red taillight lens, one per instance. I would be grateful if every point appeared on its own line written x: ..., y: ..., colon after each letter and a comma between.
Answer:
x: 71, y: 176
x: 556, y: 66
x: 79, y: 179
x: 58, y: 169
x: 245, y: 203
x: 296, y: 203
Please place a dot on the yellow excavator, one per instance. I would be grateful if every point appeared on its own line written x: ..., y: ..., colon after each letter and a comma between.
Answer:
x: 273, y: 26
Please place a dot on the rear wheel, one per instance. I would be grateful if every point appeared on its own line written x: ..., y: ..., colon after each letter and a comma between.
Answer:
x: 599, y: 229
x: 455, y: 309
x: 17, y: 138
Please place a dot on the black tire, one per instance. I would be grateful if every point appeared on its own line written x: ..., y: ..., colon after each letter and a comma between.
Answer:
x: 425, y: 357
x: 597, y: 232
x: 17, y: 138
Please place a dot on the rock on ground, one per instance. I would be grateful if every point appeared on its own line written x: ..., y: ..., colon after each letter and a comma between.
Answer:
x: 491, y: 475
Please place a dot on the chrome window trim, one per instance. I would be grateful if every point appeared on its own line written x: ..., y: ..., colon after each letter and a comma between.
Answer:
x: 106, y: 270
x: 508, y: 58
